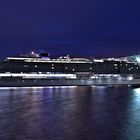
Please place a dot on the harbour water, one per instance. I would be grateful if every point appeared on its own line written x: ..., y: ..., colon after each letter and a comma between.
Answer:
x: 70, y: 113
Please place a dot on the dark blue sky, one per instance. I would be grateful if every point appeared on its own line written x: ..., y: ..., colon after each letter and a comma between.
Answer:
x: 76, y: 27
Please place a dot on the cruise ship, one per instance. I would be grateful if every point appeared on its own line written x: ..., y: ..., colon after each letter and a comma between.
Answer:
x: 41, y: 70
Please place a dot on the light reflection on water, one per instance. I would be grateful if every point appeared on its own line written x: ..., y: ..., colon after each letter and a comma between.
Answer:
x: 72, y: 113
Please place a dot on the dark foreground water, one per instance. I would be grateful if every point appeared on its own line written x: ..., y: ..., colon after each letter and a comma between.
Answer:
x: 70, y: 113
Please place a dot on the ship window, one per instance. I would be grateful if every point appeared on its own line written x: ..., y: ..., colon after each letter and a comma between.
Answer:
x: 25, y: 66
x: 52, y: 67
x: 52, y: 64
x: 129, y: 68
x: 115, y: 65
x: 137, y: 68
x: 90, y: 68
x: 66, y: 68
x: 73, y: 69
x: 8, y: 72
x: 126, y: 65
x: 35, y: 66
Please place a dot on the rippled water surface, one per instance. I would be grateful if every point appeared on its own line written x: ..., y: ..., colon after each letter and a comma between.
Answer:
x: 70, y: 113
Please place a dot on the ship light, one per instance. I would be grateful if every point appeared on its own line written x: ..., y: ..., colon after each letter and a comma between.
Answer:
x: 138, y: 59
x: 32, y: 52
x: 92, y: 77
x: 130, y: 78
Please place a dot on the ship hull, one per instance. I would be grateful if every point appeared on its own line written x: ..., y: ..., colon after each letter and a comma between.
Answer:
x: 66, y: 82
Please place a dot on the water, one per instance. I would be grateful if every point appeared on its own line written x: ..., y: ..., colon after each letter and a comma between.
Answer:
x: 70, y: 113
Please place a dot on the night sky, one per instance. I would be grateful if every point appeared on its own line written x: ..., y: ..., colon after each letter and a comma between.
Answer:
x: 100, y: 28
